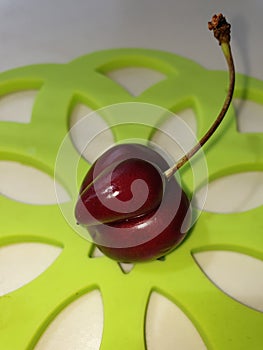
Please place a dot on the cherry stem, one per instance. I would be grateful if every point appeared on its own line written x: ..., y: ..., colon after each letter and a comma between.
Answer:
x: 221, y: 31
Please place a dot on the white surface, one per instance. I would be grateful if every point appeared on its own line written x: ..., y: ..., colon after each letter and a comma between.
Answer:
x: 166, y: 321
x: 58, y: 31
x: 17, y: 106
x: 24, y: 262
x: 167, y: 135
x: 233, y: 193
x: 249, y: 116
x: 79, y: 326
x: 98, y: 138
x: 243, y: 280
x: 32, y: 186
x: 136, y: 79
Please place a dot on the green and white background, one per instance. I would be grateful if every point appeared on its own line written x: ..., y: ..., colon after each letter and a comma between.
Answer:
x: 56, y: 291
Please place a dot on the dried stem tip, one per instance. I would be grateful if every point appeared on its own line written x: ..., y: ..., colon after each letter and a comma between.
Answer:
x: 220, y: 28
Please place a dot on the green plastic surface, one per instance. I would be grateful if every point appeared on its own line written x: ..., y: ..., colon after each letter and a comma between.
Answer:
x: 222, y: 322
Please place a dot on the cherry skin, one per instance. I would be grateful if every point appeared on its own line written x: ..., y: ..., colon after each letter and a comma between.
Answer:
x: 151, y: 236
x: 129, y: 223
x: 123, y: 190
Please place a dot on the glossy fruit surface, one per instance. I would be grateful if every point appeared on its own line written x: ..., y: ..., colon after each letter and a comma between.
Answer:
x: 130, y: 222
x: 125, y: 189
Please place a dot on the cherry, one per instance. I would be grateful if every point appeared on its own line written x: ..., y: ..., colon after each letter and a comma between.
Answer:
x: 130, y: 201
x: 148, y: 232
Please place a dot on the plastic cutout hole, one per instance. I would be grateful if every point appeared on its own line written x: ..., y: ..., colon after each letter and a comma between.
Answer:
x: 26, y: 184
x: 90, y: 133
x: 177, y: 134
x: 243, y: 280
x: 167, y: 327
x: 17, y: 107
x: 22, y: 262
x: 96, y: 253
x: 249, y: 116
x: 234, y: 193
x: 126, y: 267
x: 136, y: 79
x: 79, y: 326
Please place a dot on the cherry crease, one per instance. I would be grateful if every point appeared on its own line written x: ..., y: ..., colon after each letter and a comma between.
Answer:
x: 148, y: 232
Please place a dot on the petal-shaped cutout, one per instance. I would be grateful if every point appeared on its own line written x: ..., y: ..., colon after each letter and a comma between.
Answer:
x: 136, y: 79
x: 177, y: 134
x: 167, y: 327
x: 90, y: 133
x: 249, y: 116
x: 78, y: 326
x: 22, y: 262
x: 238, y: 275
x: 233, y: 193
x: 17, y: 107
x: 27, y: 184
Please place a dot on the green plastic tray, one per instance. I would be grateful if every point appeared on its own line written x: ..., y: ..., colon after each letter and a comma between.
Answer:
x: 222, y: 322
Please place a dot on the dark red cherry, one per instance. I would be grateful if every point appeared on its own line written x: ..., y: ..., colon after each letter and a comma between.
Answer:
x: 151, y: 229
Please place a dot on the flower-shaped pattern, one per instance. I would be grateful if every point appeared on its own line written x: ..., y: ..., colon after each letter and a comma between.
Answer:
x: 222, y: 322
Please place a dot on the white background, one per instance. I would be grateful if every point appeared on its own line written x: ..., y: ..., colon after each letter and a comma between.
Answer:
x: 59, y: 30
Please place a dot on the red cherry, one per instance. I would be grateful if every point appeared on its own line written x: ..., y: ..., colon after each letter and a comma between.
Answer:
x: 148, y: 232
